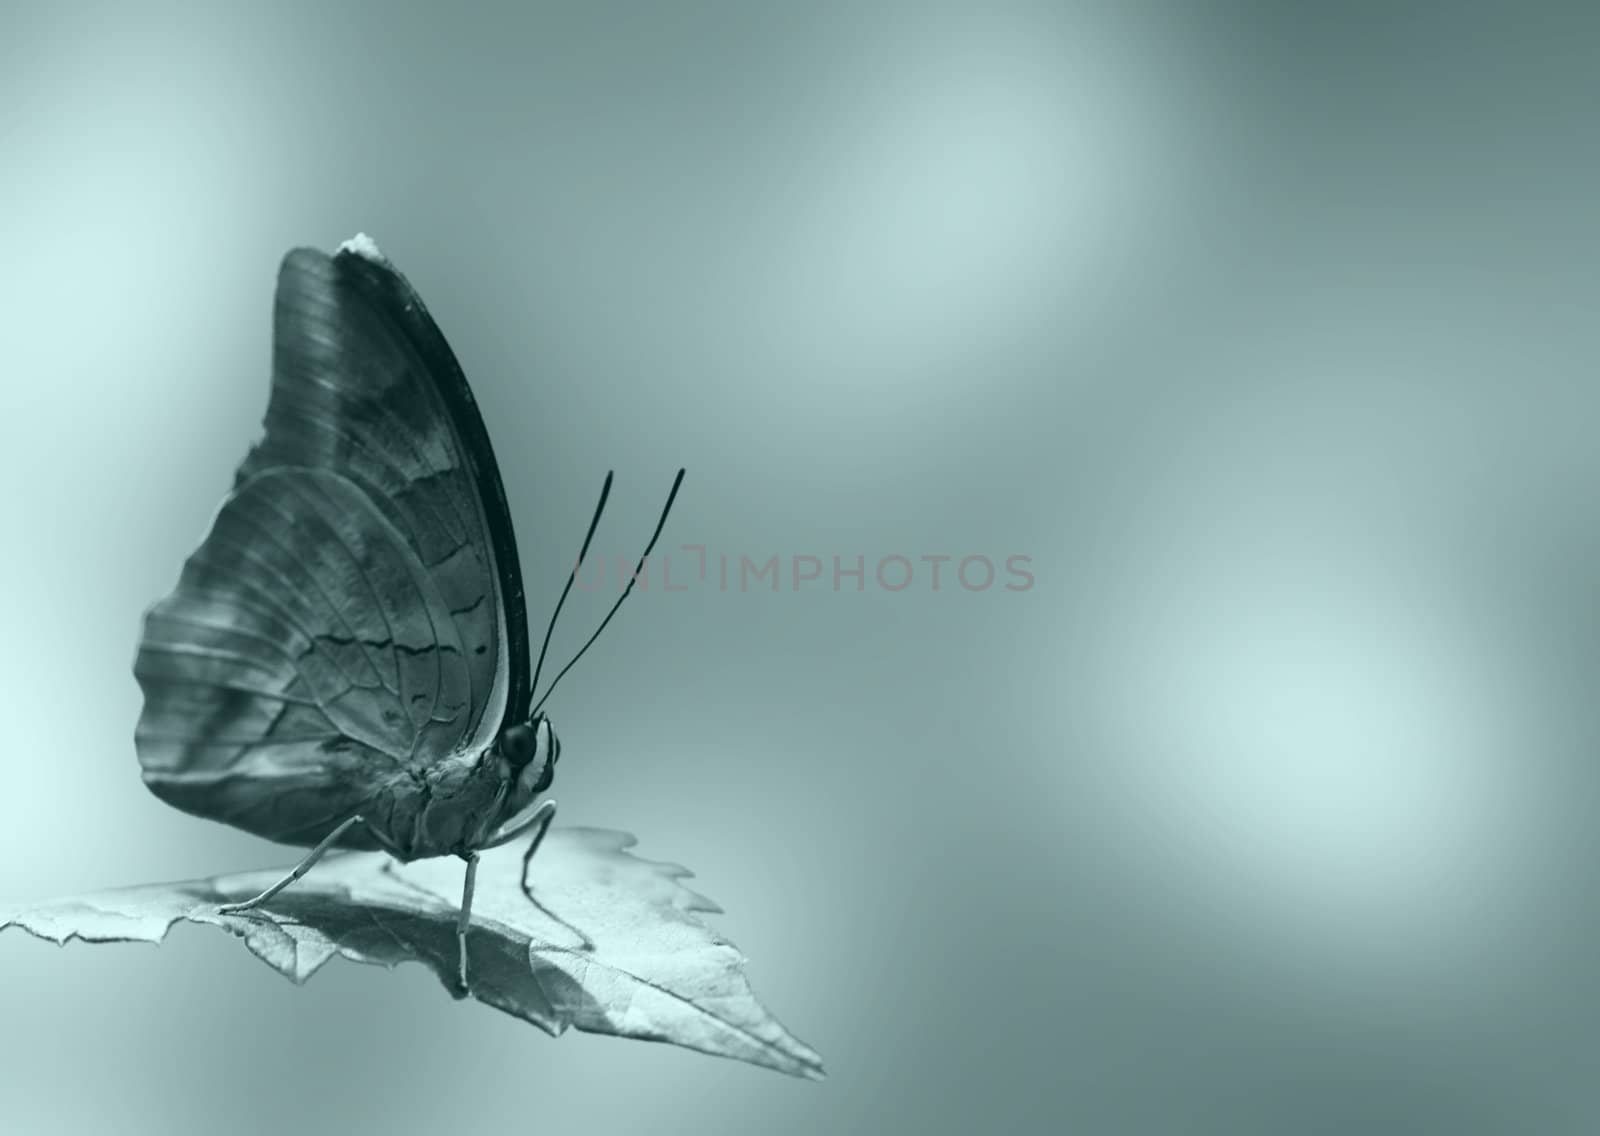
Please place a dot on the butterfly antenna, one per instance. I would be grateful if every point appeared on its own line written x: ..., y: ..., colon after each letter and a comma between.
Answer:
x: 594, y: 523
x: 661, y: 524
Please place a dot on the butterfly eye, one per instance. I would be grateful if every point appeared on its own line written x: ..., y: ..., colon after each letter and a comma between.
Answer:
x: 517, y: 743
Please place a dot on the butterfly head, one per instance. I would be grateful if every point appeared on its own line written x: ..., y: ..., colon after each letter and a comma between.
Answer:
x: 532, y: 749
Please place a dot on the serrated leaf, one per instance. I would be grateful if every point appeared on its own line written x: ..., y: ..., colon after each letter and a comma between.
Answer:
x: 649, y: 968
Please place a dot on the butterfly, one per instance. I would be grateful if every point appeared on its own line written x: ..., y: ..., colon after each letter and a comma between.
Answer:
x: 344, y: 662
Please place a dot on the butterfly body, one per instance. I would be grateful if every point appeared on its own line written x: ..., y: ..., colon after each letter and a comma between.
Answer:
x: 344, y: 662
x: 451, y: 807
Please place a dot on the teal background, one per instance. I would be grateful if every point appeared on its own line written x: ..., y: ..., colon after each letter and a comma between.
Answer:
x: 1267, y: 330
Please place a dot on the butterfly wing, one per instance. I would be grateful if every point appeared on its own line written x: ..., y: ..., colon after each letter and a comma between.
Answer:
x: 355, y: 614
x: 305, y: 661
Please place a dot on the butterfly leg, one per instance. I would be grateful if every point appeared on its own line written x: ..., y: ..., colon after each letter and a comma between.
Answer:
x: 299, y: 869
x: 464, y: 920
x: 542, y: 816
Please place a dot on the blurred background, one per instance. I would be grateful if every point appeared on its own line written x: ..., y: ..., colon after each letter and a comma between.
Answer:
x: 1264, y: 329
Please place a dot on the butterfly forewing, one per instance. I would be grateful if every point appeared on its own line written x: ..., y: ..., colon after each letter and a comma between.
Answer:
x: 355, y: 613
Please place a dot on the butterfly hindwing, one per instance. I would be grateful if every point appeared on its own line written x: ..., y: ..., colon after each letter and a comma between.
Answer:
x: 306, y: 645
